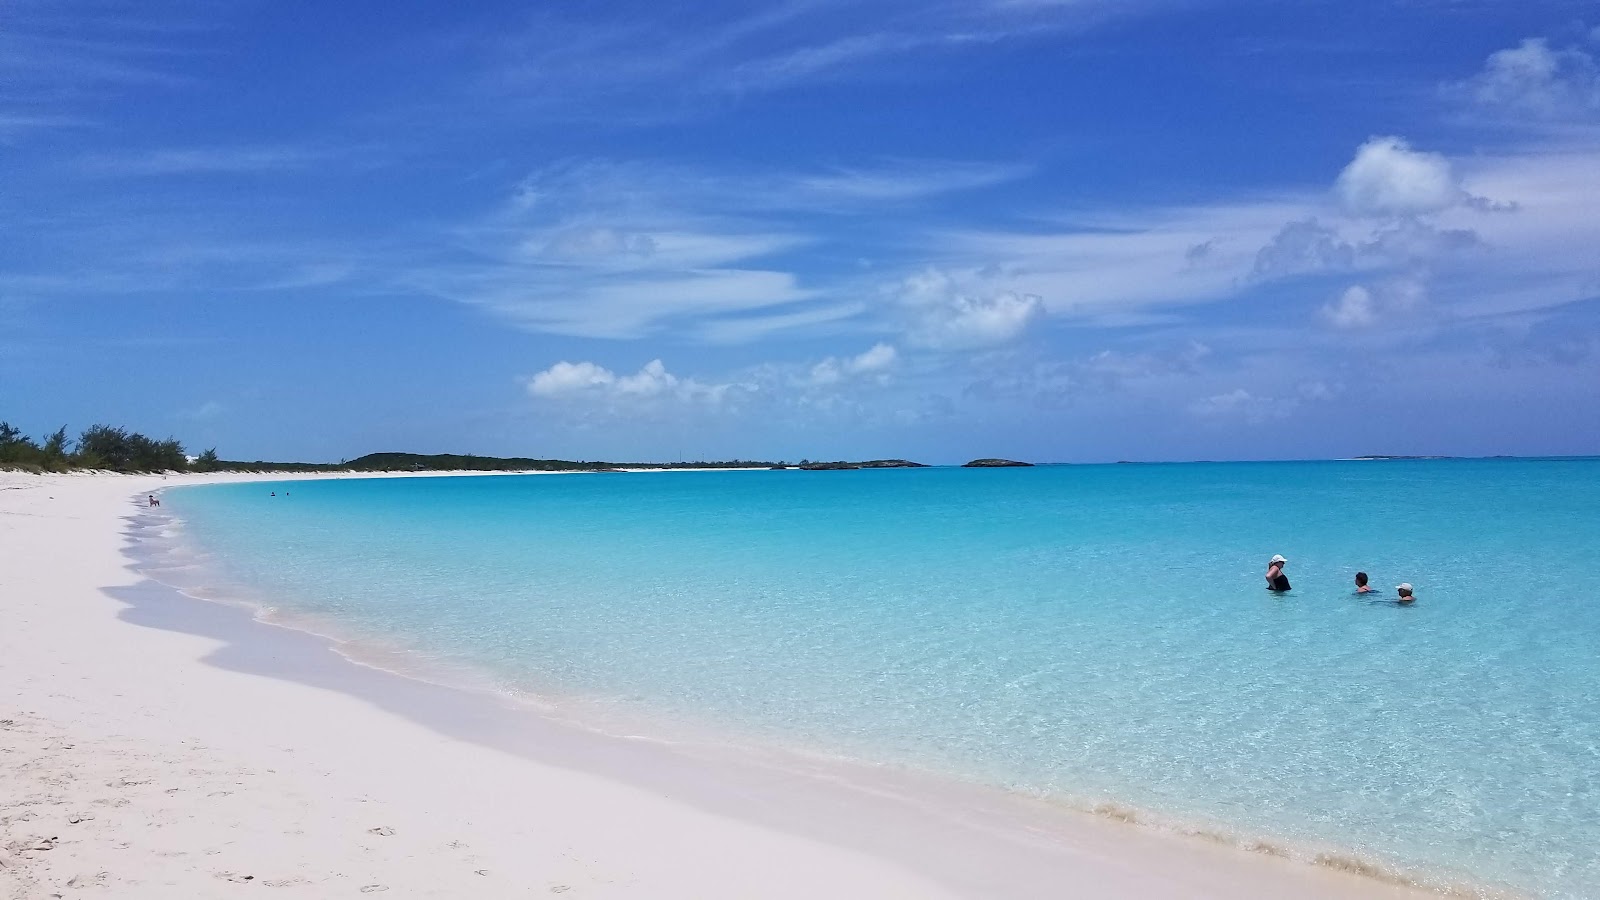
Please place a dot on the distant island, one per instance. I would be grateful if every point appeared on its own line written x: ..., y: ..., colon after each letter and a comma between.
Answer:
x: 994, y: 464
x: 1377, y: 456
x: 868, y: 464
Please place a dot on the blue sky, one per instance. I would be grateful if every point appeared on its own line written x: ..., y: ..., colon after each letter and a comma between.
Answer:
x: 1051, y: 229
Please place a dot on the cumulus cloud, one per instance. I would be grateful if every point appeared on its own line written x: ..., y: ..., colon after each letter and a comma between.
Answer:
x: 1354, y: 309
x: 1391, y: 194
x: 567, y: 380
x: 876, y: 361
x: 1361, y: 306
x: 1388, y: 178
x: 1535, y: 79
x: 949, y: 314
x: 1411, y: 240
x: 1304, y: 246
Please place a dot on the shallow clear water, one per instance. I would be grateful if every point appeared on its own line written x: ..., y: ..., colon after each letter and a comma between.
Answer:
x: 1091, y: 632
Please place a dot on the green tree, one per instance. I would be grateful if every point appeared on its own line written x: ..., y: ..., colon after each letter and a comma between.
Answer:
x: 206, y: 461
x: 17, y: 449
x: 56, y: 451
x: 104, y: 447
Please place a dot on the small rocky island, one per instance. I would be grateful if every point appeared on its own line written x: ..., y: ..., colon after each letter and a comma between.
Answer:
x: 994, y: 464
x: 869, y: 464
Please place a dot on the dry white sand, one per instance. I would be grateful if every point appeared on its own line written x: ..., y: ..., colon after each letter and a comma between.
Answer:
x: 157, y: 746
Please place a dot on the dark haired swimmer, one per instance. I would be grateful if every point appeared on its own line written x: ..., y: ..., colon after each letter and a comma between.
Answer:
x: 1276, y: 580
x: 1361, y: 583
x: 1404, y: 591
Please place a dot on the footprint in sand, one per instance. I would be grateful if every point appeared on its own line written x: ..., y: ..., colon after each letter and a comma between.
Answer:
x: 374, y: 888
x: 382, y: 830
x: 236, y: 877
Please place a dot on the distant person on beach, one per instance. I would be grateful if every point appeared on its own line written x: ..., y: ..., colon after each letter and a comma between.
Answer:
x: 1404, y: 590
x: 1276, y: 580
x: 153, y: 501
x: 1361, y: 583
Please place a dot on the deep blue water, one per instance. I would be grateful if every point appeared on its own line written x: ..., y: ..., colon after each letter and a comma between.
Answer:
x: 1089, y: 632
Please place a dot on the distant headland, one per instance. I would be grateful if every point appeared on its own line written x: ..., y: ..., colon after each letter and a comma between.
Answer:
x: 108, y: 448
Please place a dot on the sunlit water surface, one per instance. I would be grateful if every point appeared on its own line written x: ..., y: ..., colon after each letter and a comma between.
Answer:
x: 1089, y: 633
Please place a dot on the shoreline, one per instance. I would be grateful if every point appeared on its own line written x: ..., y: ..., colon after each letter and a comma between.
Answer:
x: 906, y: 840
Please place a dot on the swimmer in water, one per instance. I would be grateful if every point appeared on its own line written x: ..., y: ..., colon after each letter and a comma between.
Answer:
x: 1361, y: 584
x: 1276, y: 580
x: 1404, y: 590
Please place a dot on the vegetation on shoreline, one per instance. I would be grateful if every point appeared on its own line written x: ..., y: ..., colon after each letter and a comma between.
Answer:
x: 101, y: 447
x: 108, y: 448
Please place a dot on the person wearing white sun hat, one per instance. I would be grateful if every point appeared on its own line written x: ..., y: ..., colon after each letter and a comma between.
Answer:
x: 1405, y: 592
x: 1276, y: 580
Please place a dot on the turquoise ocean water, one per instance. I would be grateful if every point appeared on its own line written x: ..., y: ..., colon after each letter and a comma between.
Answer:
x: 1088, y: 633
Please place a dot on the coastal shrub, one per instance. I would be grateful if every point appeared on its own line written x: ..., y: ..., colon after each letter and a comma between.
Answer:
x: 206, y: 462
x: 117, y: 449
x: 18, y: 451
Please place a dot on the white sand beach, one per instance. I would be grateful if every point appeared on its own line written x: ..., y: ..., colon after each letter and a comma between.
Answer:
x: 158, y: 746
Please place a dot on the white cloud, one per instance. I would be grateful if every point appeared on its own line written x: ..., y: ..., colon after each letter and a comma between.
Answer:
x: 1388, y: 178
x: 951, y: 312
x: 627, y: 251
x: 666, y: 64
x: 876, y: 359
x: 1353, y: 309
x: 1304, y: 246
x: 906, y: 180
x: 1241, y: 404
x: 1361, y: 306
x: 833, y: 370
x: 649, y: 381
x: 652, y: 388
x: 565, y: 378
x: 1534, y: 79
x: 238, y: 160
x: 740, y: 329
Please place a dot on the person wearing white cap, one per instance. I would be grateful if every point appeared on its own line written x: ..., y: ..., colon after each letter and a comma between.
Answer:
x: 1276, y: 580
x: 1405, y: 593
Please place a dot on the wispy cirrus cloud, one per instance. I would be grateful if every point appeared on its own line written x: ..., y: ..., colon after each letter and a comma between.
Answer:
x: 671, y: 60
x: 221, y: 160
x: 55, y: 57
x: 1537, y: 80
x: 628, y: 250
